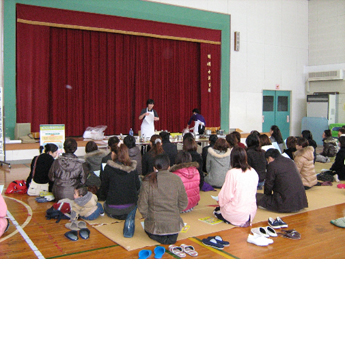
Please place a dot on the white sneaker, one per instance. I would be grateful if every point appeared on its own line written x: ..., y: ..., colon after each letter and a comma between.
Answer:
x: 259, y: 240
x: 260, y: 231
x: 271, y: 231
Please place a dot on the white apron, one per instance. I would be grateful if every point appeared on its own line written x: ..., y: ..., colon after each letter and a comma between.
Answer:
x: 147, y: 126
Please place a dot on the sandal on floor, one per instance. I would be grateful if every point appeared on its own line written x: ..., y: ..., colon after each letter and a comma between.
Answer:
x: 212, y: 242
x: 84, y: 233
x: 340, y: 222
x: 178, y: 251
x: 81, y: 224
x: 72, y: 226
x: 144, y: 254
x: 221, y: 241
x: 72, y: 235
x: 189, y: 250
x: 291, y: 234
x: 159, y: 252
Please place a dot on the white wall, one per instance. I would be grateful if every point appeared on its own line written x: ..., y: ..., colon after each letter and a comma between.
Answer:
x: 273, y: 51
x: 326, y: 46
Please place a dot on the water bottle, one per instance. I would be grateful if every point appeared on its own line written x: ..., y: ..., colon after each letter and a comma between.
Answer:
x: 131, y: 132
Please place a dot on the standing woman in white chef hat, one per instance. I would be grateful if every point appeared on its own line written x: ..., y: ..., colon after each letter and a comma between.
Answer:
x: 149, y: 116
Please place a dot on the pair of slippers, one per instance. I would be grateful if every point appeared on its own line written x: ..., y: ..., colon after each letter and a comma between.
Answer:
x: 183, y: 250
x: 73, y: 234
x: 215, y: 242
x: 77, y: 228
x: 146, y: 253
x: 291, y: 234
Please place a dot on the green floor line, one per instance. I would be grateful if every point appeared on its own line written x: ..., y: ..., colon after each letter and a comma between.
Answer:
x: 224, y: 252
x: 84, y: 251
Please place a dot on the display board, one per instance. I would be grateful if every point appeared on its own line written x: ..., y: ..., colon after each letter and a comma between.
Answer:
x: 52, y: 134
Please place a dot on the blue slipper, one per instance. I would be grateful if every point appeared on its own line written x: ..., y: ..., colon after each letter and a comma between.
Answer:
x: 159, y: 252
x: 72, y: 235
x: 212, y: 242
x: 144, y: 254
x: 84, y: 233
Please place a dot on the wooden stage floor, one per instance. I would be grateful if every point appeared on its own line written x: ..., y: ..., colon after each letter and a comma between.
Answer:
x: 320, y: 239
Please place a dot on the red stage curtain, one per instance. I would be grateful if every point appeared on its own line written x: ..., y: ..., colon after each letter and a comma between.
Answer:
x: 86, y: 78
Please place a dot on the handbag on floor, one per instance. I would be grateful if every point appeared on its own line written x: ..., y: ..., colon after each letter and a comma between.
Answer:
x: 35, y: 188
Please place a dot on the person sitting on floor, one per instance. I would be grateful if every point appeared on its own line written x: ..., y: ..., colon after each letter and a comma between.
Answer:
x: 67, y: 172
x: 190, y: 145
x: 304, y: 159
x: 133, y: 151
x: 4, y: 222
x: 162, y: 197
x: 211, y: 141
x: 218, y: 163
x: 114, y: 140
x: 277, y: 138
x: 189, y: 174
x: 311, y: 142
x: 330, y: 147
x: 338, y: 167
x: 265, y: 142
x: 256, y: 157
x: 169, y: 148
x: 120, y: 187
x: 85, y: 205
x: 148, y: 158
x: 283, y: 190
x: 237, y: 202
x: 40, y: 166
x: 93, y: 161
x: 291, y: 147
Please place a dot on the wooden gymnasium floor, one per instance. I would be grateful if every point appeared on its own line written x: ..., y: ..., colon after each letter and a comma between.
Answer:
x: 320, y: 239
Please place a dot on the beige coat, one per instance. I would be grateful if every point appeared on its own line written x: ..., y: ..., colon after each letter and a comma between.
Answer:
x: 304, y: 160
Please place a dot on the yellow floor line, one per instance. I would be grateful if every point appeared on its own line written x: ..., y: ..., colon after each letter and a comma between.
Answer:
x: 219, y: 252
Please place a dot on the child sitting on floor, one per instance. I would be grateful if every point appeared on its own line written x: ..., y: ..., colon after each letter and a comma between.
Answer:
x: 85, y: 205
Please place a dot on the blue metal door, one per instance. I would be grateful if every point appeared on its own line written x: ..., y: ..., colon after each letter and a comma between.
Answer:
x: 276, y: 111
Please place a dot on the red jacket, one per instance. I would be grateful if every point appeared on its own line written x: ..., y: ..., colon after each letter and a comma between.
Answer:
x: 189, y: 174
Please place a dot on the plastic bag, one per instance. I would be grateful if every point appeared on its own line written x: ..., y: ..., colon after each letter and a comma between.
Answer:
x: 95, y: 133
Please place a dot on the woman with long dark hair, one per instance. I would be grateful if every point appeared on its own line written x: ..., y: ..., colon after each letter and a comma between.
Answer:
x: 277, y: 139
x: 237, y: 198
x: 40, y: 166
x: 256, y: 157
x: 148, y: 159
x: 162, y: 197
x: 120, y: 187
x: 190, y: 145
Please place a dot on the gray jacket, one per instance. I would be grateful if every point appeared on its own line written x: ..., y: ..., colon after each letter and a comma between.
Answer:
x: 217, y: 165
x: 161, y: 205
x: 68, y: 173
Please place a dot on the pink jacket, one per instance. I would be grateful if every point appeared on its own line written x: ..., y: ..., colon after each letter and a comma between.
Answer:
x: 3, y: 213
x: 237, y: 198
x: 190, y: 177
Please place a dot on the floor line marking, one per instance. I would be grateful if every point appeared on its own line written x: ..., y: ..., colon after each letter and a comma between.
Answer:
x: 25, y: 236
x: 28, y: 219
x: 81, y: 252
x: 220, y: 252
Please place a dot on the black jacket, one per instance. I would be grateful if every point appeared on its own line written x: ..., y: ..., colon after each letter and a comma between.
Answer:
x: 43, y: 164
x: 338, y: 165
x: 171, y: 150
x: 257, y: 160
x: 196, y: 157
